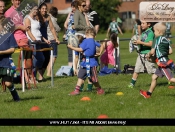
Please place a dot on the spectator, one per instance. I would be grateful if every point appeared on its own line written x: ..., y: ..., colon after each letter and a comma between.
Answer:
x: 69, y: 30
x: 92, y: 16
x: 20, y: 35
x: 107, y: 57
x: 35, y: 35
x: 45, y: 21
x: 53, y: 15
x: 2, y: 7
x: 7, y: 48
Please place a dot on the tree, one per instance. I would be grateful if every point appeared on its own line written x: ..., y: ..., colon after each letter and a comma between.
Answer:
x: 7, y: 4
x: 106, y: 9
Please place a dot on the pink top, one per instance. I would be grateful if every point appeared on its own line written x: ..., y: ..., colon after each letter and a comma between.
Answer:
x: 107, y: 57
x: 17, y: 19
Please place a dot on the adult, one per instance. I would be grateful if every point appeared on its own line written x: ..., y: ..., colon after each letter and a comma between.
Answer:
x: 20, y: 35
x: 45, y: 21
x: 2, y: 7
x: 69, y: 30
x: 53, y: 12
x: 34, y: 35
x: 92, y: 16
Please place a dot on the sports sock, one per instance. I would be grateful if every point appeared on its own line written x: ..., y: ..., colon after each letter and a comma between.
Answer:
x: 133, y: 81
x: 14, y: 93
x: 77, y: 88
x: 149, y: 93
x: 81, y: 88
x: 89, y: 87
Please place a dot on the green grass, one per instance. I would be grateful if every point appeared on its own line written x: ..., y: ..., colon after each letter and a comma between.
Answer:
x: 55, y: 102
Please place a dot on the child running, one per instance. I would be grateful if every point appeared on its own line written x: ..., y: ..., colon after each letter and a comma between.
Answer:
x: 161, y: 48
x: 88, y: 64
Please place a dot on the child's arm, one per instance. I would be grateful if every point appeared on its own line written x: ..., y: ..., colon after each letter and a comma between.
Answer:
x: 8, y: 51
x: 73, y: 48
x: 108, y: 31
x: 170, y: 50
x: 149, y: 44
x: 119, y: 30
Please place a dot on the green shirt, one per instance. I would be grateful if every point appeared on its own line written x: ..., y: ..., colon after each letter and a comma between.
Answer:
x: 114, y: 27
x: 146, y: 36
x: 161, y: 46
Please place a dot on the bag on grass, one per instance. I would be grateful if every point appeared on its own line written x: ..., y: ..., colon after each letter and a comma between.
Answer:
x: 65, y: 71
x: 128, y: 69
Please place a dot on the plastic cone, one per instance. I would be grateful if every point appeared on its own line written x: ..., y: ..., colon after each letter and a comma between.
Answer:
x: 171, y: 87
x: 102, y: 117
x: 85, y: 99
x: 35, y: 108
x: 119, y: 93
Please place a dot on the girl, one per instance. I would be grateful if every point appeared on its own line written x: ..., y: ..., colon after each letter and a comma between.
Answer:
x: 108, y: 57
x: 45, y: 21
x: 145, y: 44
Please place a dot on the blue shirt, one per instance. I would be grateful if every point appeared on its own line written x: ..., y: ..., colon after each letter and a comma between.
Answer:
x: 89, y: 50
x: 7, y: 41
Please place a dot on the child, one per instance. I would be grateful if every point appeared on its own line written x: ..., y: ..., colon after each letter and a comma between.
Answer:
x: 161, y: 48
x: 145, y: 46
x: 108, y: 57
x: 7, y: 47
x: 113, y: 27
x: 88, y: 64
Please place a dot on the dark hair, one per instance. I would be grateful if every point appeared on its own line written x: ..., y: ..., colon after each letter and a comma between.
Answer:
x: 74, y: 4
x: 41, y: 20
x: 138, y: 22
x: 113, y: 38
x: 53, y: 11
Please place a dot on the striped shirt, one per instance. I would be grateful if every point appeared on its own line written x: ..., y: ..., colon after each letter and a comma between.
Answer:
x: 162, y: 46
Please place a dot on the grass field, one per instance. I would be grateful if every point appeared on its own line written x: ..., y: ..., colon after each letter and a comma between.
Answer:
x: 55, y: 102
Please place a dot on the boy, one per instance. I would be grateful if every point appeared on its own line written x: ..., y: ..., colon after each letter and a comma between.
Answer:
x: 88, y: 64
x: 7, y: 47
x: 145, y: 46
x: 113, y: 27
x: 161, y: 48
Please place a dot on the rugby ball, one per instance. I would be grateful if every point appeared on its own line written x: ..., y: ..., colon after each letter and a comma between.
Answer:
x: 73, y: 40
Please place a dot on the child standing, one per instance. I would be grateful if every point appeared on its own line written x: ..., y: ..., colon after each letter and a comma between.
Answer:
x: 145, y: 46
x: 108, y: 57
x: 88, y: 64
x: 7, y: 47
x: 161, y: 48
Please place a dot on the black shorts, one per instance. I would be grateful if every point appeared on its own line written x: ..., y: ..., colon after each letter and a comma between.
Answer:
x: 82, y: 74
x: 7, y: 79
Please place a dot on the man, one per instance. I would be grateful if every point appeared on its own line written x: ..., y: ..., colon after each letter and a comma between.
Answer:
x: 92, y: 16
x: 20, y: 35
x: 2, y: 6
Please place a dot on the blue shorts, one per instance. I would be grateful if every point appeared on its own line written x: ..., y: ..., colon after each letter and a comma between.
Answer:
x: 54, y: 46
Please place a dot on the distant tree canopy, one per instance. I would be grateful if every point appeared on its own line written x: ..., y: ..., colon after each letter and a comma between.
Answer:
x: 7, y: 4
x: 106, y: 9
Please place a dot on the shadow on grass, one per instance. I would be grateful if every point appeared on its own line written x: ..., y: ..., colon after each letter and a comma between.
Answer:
x: 159, y: 84
x: 26, y: 99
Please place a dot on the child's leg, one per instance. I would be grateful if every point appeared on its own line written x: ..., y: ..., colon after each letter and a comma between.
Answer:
x: 133, y: 80
x: 9, y: 84
x: 89, y: 86
x: 99, y: 89
x: 77, y: 87
x: 49, y: 67
x: 153, y: 83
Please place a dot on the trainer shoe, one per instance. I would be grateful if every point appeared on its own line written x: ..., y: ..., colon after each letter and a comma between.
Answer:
x: 144, y: 94
x: 130, y: 86
x: 75, y: 92
x: 100, y: 91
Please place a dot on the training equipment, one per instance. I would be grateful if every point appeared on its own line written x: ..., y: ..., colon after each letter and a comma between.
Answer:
x: 133, y: 46
x: 119, y: 93
x: 73, y: 40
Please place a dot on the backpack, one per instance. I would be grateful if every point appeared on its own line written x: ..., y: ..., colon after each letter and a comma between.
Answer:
x: 113, y: 27
x: 65, y: 71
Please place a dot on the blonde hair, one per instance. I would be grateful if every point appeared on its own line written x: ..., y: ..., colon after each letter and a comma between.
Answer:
x: 161, y: 27
x: 90, y: 31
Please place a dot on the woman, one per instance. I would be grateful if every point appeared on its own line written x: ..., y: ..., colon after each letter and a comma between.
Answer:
x: 69, y: 31
x: 34, y: 35
x: 53, y: 14
x: 46, y: 21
